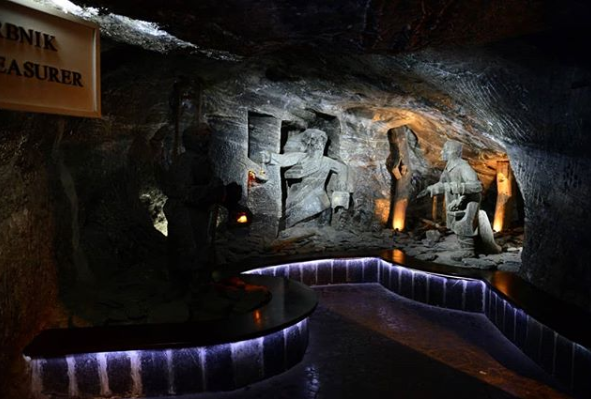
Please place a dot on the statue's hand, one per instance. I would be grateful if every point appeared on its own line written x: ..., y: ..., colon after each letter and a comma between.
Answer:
x: 423, y: 193
x: 434, y: 189
x: 340, y: 199
x: 458, y: 204
x: 454, y: 205
x: 437, y: 188
x: 261, y: 175
x: 265, y: 156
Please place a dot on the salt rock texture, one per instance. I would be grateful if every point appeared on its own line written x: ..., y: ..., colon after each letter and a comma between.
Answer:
x: 491, y: 103
x: 247, y: 27
x: 83, y: 198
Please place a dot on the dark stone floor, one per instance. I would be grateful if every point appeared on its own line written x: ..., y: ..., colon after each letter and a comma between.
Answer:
x: 368, y: 343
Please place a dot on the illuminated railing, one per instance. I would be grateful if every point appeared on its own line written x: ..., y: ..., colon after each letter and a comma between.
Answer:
x: 171, y: 371
x: 429, y: 288
x: 567, y: 361
x: 190, y: 369
x: 176, y: 358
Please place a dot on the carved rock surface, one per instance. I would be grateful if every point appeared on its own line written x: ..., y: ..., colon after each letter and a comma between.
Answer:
x: 247, y: 27
x: 85, y: 203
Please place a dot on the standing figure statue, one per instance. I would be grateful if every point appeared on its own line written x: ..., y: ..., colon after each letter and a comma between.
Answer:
x: 191, y: 209
x: 310, y: 171
x: 462, y: 189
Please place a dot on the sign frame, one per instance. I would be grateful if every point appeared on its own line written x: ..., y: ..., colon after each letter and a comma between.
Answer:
x: 90, y: 112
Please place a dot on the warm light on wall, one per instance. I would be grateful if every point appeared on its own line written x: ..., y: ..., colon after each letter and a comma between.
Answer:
x: 382, y: 209
x: 257, y: 317
x: 394, y: 117
x: 400, y: 214
x: 504, y: 195
x: 434, y: 208
x: 498, y: 224
x: 500, y: 207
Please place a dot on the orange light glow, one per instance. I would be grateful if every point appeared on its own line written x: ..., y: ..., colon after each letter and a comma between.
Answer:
x: 434, y: 208
x: 251, y: 176
x: 394, y: 117
x: 242, y: 218
x: 382, y: 209
x: 498, y: 223
x: 257, y: 316
x: 504, y: 196
x: 400, y: 214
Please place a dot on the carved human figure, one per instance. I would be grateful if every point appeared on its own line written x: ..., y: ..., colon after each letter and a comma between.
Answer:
x: 309, y: 170
x: 462, y: 189
x: 193, y: 193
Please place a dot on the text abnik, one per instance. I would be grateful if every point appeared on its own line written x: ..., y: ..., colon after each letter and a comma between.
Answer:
x: 30, y: 69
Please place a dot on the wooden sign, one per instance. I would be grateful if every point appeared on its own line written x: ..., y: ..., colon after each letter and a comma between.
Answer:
x: 49, y: 61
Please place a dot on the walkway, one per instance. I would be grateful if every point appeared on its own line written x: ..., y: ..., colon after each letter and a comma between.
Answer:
x: 366, y: 342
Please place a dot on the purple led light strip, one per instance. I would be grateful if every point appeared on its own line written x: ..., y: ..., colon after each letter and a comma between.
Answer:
x: 542, y: 344
x: 171, y: 371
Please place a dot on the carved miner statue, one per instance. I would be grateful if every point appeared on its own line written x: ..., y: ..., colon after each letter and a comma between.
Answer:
x: 309, y: 174
x: 462, y: 189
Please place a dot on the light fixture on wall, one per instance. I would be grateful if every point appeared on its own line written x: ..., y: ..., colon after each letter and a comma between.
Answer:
x: 242, y: 218
x: 239, y: 217
x: 504, y: 195
x: 399, y: 220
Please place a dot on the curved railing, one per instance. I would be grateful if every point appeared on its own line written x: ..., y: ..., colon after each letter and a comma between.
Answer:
x: 502, y: 297
x: 179, y: 358
x: 186, y: 358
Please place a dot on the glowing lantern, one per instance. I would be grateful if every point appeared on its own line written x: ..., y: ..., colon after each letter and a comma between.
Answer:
x: 239, y: 217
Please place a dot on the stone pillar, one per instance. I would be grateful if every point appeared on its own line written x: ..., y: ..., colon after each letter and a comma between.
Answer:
x: 434, y: 208
x: 504, y: 196
x: 402, y: 173
x: 399, y: 221
x: 265, y: 198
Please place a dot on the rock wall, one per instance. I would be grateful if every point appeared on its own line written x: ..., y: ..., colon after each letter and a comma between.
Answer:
x: 70, y: 212
x: 533, y: 98
x: 251, y: 27
x: 86, y: 203
x: 557, y: 193
x: 506, y: 97
x: 28, y: 227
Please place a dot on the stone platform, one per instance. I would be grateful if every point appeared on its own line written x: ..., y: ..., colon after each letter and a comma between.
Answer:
x: 176, y: 358
x: 552, y: 334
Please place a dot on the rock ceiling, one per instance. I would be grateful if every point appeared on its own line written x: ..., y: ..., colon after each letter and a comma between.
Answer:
x: 247, y: 27
x: 377, y: 56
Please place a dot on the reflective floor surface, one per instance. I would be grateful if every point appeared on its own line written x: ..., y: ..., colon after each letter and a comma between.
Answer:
x: 366, y: 342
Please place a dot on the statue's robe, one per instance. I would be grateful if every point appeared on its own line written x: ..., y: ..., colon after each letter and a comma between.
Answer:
x: 307, y: 196
x: 465, y: 192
